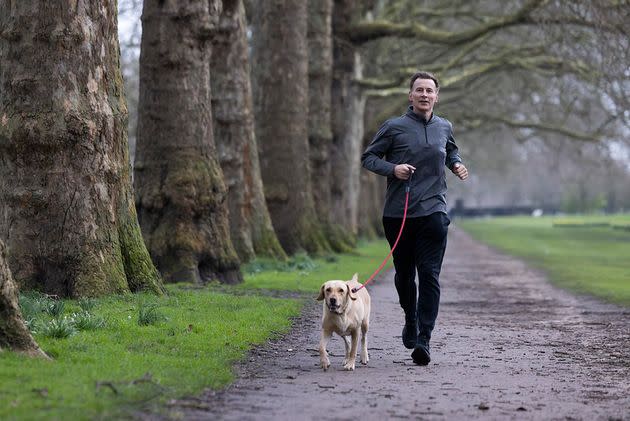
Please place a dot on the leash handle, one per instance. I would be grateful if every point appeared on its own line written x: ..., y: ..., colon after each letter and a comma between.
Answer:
x: 402, y: 225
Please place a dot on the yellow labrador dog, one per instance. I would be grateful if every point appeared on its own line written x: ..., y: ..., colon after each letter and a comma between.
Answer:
x: 345, y: 313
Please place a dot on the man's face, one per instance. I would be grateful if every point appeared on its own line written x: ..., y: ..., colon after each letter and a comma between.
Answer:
x: 423, y: 96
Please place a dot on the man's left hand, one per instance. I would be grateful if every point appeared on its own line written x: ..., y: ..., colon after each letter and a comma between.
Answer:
x: 460, y: 170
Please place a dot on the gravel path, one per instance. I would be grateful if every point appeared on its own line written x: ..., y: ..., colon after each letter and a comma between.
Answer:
x: 507, y: 345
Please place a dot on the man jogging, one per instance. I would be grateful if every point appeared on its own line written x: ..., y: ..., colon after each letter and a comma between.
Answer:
x: 414, y: 149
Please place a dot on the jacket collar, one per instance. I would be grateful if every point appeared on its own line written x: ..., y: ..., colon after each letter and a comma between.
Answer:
x: 419, y: 118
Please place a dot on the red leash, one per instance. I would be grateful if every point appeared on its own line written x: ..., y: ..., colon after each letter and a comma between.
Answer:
x: 402, y: 225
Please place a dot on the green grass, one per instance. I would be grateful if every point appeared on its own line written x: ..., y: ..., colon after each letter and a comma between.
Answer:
x: 586, y: 254
x: 137, y: 350
x: 306, y: 275
x: 104, y: 372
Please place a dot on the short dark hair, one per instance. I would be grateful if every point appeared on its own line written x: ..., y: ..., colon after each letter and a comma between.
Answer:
x: 423, y: 75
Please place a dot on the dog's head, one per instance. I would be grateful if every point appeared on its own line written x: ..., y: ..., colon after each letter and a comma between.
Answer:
x: 336, y: 294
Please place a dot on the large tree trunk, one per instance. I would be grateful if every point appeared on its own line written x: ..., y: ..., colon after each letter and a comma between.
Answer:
x: 180, y: 194
x: 66, y: 202
x: 233, y: 112
x: 320, y: 49
x: 373, y: 186
x: 349, y: 105
x: 281, y: 107
x: 14, y: 334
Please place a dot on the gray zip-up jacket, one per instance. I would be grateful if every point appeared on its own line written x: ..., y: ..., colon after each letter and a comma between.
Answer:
x: 428, y: 146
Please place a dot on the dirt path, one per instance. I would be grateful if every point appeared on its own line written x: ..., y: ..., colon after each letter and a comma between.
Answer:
x: 506, y: 345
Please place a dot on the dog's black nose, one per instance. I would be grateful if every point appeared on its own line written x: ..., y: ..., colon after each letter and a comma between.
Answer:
x: 333, y: 301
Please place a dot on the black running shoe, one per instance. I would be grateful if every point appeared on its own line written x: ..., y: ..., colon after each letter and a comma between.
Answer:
x: 421, y: 354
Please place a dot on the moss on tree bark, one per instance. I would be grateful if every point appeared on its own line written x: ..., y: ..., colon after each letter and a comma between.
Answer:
x: 281, y: 107
x: 233, y: 121
x: 180, y: 193
x: 66, y: 201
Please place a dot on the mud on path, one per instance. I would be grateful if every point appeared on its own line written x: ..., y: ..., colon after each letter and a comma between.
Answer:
x: 507, y: 345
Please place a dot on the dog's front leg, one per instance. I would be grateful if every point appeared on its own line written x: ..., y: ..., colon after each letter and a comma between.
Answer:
x: 323, y: 354
x: 364, y: 352
x: 349, y: 365
x: 364, y: 355
x: 346, y: 342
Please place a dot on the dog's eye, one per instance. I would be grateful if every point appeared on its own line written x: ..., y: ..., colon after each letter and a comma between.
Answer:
x: 341, y: 291
x: 328, y: 289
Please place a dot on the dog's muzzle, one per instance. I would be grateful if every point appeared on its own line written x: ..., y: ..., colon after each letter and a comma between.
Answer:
x: 334, y: 308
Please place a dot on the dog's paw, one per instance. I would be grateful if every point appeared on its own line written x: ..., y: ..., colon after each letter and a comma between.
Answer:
x: 365, y: 358
x: 349, y: 366
x: 325, y: 364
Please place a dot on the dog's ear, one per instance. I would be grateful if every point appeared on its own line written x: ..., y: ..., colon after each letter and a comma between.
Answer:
x: 355, y: 277
x: 321, y: 293
x: 351, y: 294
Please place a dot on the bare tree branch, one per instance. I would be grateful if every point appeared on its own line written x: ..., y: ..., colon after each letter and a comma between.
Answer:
x: 518, y: 58
x: 480, y: 119
x: 367, y: 31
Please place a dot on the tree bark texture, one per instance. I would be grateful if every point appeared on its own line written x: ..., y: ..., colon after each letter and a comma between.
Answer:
x: 67, y: 213
x: 349, y: 105
x: 371, y: 199
x: 320, y: 49
x: 281, y: 110
x: 14, y: 334
x: 233, y: 121
x: 373, y: 186
x: 180, y: 194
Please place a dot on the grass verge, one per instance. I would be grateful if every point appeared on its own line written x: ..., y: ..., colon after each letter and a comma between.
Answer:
x: 304, y: 274
x: 117, y: 354
x: 586, y: 254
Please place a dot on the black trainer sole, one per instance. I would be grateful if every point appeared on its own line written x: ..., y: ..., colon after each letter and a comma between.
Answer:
x: 420, y: 356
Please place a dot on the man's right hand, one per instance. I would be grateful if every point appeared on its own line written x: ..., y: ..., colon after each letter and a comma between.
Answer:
x: 403, y: 171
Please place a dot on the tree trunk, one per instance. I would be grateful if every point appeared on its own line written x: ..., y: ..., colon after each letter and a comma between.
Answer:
x: 349, y: 105
x: 373, y: 186
x: 14, y: 334
x: 66, y: 201
x: 320, y: 49
x: 232, y: 109
x: 371, y: 198
x: 180, y: 194
x: 281, y: 108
